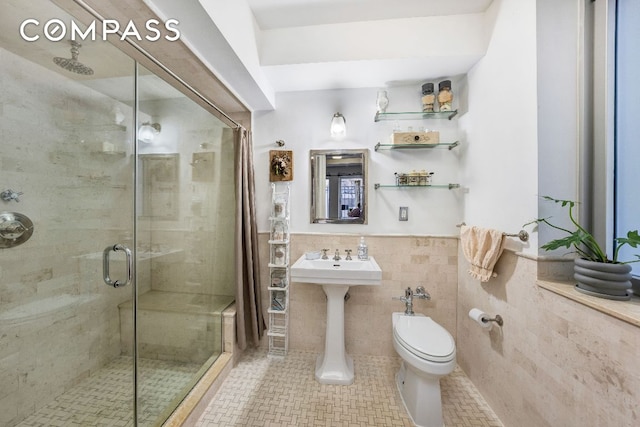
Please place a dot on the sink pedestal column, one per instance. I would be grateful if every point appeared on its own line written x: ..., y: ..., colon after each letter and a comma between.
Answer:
x: 334, y: 366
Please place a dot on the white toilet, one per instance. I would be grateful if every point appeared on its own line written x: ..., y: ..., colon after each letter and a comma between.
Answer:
x: 428, y: 352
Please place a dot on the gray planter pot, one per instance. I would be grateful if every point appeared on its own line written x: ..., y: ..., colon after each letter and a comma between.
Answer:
x: 604, y: 280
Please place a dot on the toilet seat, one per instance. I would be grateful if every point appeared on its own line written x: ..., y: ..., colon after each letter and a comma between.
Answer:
x: 425, y: 338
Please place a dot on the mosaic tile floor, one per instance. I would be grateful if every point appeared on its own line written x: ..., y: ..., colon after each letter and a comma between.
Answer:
x: 105, y: 398
x: 263, y: 391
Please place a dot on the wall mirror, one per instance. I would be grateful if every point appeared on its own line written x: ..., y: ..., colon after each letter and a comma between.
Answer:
x: 339, y: 186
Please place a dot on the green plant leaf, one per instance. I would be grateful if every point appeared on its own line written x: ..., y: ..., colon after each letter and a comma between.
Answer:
x: 535, y: 221
x: 583, y: 242
x: 564, y: 203
x: 632, y: 239
x: 573, y: 239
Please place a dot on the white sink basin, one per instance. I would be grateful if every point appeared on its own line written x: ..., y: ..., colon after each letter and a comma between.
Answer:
x: 329, y: 272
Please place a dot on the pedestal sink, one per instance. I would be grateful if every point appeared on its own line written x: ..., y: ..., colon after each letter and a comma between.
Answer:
x: 334, y: 366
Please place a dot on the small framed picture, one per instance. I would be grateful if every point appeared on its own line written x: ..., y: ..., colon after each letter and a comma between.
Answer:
x: 281, y: 165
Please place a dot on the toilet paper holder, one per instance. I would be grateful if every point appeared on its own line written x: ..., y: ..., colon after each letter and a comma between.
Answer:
x: 497, y: 319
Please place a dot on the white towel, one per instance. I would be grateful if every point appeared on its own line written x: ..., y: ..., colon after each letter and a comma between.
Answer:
x: 481, y: 247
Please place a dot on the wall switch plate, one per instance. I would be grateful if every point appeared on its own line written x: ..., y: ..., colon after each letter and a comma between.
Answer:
x: 404, y: 213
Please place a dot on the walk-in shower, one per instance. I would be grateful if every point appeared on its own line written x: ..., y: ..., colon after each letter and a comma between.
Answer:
x: 74, y: 349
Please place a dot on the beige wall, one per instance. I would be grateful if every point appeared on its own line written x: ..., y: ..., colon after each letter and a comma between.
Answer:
x: 405, y: 261
x: 555, y: 362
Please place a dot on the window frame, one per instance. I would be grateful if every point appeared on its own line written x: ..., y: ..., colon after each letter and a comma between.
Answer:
x: 600, y: 180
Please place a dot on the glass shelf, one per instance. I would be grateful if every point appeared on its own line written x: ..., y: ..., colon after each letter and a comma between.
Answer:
x: 449, y: 145
x: 415, y: 115
x: 448, y: 186
x: 278, y: 242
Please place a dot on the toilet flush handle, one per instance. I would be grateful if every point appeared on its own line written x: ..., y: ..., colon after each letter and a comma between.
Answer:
x: 421, y: 293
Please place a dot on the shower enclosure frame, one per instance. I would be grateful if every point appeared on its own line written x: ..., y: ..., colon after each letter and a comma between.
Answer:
x: 178, y: 83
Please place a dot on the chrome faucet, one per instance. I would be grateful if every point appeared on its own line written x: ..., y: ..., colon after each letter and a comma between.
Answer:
x: 348, y: 257
x: 336, y: 257
x: 408, y: 298
x: 324, y: 253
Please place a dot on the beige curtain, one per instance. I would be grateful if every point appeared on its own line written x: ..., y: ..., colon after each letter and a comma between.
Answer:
x: 250, y: 321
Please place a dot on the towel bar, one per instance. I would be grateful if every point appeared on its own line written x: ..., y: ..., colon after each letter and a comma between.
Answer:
x: 522, y: 234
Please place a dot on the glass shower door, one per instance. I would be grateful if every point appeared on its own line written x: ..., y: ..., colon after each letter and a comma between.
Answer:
x: 67, y: 166
x: 185, y: 240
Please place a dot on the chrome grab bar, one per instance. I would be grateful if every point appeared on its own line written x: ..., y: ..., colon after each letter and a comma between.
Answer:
x: 105, y: 265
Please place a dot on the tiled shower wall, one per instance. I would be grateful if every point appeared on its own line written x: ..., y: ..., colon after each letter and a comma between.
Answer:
x: 405, y: 261
x: 204, y: 229
x: 52, y: 133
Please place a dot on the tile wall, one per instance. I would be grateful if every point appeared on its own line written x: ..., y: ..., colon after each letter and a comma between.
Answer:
x: 52, y: 134
x: 405, y: 261
x: 555, y: 362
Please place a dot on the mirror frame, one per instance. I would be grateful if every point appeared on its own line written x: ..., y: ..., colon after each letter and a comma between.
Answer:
x: 362, y: 219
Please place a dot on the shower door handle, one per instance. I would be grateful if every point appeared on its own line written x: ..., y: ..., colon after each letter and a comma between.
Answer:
x: 105, y: 265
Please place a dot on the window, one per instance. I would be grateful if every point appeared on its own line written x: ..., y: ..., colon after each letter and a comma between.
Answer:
x: 627, y: 125
x: 350, y: 191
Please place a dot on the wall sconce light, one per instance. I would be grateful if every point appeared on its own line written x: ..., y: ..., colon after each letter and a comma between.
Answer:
x: 148, y: 132
x: 338, y: 126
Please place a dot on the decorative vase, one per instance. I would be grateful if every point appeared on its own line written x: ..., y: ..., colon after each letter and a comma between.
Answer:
x: 382, y: 101
x: 604, y: 280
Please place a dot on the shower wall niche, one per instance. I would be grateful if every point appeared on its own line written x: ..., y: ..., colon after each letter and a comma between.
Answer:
x: 70, y: 144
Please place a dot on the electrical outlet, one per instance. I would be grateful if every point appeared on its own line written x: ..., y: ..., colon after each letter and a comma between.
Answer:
x: 404, y: 213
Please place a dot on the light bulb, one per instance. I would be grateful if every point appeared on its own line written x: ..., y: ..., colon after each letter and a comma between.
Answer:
x: 338, y: 126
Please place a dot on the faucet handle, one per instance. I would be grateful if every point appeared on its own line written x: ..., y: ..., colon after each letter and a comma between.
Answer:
x: 324, y: 253
x: 348, y: 251
x: 8, y: 195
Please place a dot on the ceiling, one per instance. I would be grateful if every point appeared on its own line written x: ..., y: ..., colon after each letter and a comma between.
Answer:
x: 272, y: 14
x: 113, y: 70
x: 297, y: 45
x: 396, y: 59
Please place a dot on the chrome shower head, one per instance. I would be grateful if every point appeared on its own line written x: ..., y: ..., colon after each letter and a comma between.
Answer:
x: 73, y: 64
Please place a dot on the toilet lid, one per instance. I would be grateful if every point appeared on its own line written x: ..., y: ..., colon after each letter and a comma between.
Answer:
x: 425, y: 338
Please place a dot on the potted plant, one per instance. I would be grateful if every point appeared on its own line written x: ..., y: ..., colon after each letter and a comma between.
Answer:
x: 595, y: 272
